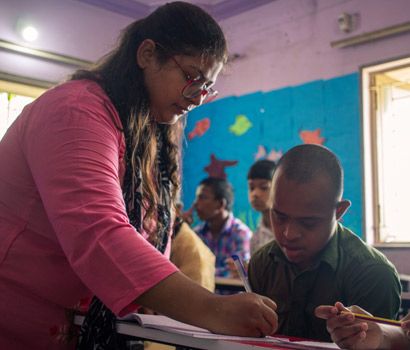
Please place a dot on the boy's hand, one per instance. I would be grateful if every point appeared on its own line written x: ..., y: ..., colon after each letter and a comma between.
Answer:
x: 347, y: 332
x: 406, y: 325
x: 232, y: 268
x: 188, y: 216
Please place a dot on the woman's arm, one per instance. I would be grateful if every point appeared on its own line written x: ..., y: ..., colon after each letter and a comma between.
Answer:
x: 244, y: 314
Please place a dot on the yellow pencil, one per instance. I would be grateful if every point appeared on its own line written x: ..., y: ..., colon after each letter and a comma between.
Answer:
x: 374, y: 319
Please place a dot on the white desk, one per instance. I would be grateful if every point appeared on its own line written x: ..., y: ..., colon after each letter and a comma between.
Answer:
x: 135, y: 330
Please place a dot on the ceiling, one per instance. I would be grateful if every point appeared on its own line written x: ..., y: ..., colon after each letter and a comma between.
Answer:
x: 73, y: 33
x: 220, y: 9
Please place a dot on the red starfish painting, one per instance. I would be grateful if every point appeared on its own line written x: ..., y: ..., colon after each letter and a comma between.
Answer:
x: 217, y: 167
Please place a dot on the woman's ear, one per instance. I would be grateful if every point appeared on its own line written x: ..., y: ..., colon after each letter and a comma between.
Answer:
x: 145, y: 53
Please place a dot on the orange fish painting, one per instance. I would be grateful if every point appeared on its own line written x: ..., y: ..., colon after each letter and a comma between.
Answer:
x: 312, y: 137
x: 201, y: 127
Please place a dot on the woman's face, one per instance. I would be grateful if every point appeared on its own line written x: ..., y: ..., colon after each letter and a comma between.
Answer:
x: 166, y: 82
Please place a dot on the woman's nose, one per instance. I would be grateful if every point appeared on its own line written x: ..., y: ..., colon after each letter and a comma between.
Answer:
x: 197, y: 101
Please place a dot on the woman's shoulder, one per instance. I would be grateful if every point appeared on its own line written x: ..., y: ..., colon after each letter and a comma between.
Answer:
x: 82, y: 98
x: 79, y: 90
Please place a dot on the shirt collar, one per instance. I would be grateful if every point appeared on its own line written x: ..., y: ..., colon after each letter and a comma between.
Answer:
x: 226, y: 228
x: 228, y: 223
x: 330, y: 254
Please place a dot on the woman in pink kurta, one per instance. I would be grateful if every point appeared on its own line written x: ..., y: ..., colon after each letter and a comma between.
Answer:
x: 64, y: 228
x: 74, y: 164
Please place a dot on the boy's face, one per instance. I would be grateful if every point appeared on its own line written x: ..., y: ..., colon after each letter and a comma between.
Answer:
x: 206, y: 205
x: 303, y: 217
x: 258, y: 194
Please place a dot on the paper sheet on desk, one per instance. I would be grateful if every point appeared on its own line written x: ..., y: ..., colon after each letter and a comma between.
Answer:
x: 168, y: 324
x: 164, y: 323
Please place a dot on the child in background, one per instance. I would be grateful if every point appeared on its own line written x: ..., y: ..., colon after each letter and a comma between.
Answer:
x: 259, y: 183
x: 223, y: 233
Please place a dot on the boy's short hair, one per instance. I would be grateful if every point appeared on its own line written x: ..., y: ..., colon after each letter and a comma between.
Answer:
x: 303, y: 162
x: 262, y: 169
x: 221, y: 189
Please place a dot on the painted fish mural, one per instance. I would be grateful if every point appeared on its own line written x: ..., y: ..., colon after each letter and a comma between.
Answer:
x: 260, y: 154
x: 241, y: 125
x: 312, y: 137
x: 201, y: 127
x: 272, y: 155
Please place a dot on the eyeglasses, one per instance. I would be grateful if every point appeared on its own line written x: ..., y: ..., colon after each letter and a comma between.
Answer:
x: 193, y: 88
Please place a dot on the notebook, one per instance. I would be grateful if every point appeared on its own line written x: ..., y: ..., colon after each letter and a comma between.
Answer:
x: 169, y: 325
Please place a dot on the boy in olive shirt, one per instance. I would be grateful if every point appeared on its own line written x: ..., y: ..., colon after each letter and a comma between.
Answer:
x: 314, y: 260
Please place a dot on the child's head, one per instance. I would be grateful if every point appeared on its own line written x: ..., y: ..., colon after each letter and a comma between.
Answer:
x: 306, y: 201
x: 213, y: 196
x: 259, y: 182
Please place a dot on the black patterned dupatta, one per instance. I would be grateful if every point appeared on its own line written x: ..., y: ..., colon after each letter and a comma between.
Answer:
x: 98, y: 330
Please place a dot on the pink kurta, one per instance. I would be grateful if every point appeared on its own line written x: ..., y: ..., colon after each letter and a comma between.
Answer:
x: 64, y: 231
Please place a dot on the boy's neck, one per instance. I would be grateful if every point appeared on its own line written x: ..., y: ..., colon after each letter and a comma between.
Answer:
x: 217, y: 223
x: 266, y: 218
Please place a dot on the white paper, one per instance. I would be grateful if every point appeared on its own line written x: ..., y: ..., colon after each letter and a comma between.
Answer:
x: 173, y: 326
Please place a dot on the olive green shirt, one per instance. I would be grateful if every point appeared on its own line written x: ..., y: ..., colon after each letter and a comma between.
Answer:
x: 347, y: 270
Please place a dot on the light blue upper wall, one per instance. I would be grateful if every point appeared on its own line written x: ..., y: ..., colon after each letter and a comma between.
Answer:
x: 277, y: 118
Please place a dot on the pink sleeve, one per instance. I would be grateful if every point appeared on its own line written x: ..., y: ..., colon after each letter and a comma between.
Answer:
x: 73, y: 153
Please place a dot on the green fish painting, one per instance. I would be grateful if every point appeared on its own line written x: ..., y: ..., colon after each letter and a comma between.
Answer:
x: 242, y: 125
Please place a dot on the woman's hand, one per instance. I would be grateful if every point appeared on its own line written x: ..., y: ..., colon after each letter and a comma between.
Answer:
x: 346, y: 331
x: 245, y: 314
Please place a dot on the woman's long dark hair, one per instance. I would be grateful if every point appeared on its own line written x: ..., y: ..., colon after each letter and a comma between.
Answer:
x: 183, y: 29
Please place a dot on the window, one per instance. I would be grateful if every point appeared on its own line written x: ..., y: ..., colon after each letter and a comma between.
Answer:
x: 13, y: 98
x: 386, y: 146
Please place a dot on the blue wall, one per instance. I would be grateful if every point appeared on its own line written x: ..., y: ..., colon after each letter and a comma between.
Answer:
x: 277, y: 118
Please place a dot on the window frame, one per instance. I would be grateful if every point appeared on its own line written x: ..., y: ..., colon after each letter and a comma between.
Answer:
x: 371, y: 222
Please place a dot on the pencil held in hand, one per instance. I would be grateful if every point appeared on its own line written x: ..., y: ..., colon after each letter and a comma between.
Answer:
x: 373, y: 319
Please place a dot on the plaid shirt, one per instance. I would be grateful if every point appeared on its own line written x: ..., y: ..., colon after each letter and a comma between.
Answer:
x: 261, y: 236
x: 234, y: 238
